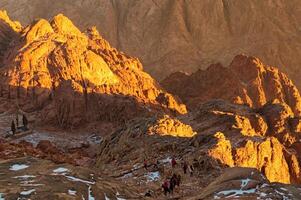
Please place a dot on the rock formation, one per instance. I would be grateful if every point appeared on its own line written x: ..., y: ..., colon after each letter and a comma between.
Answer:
x: 246, y: 81
x: 76, y: 77
x: 170, y: 35
x: 230, y: 134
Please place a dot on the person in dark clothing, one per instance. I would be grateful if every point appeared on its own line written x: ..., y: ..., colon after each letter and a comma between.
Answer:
x: 185, y: 167
x: 166, y: 186
x: 25, y: 121
x: 13, y: 127
x: 145, y: 164
x: 191, y: 170
x: 172, y: 184
x: 178, y: 180
x: 173, y: 162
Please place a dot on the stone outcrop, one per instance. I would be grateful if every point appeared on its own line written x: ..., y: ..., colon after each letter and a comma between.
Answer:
x: 169, y: 126
x: 245, y: 183
x: 170, y: 35
x: 230, y: 134
x: 246, y: 81
x: 76, y: 77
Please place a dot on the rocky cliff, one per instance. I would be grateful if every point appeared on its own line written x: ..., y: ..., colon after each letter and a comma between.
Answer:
x: 218, y: 134
x: 186, y: 35
x: 245, y: 81
x: 75, y: 77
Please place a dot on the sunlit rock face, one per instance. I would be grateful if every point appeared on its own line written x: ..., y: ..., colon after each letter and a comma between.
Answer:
x: 170, y: 35
x: 218, y: 134
x: 75, y: 76
x: 172, y: 127
x: 246, y: 81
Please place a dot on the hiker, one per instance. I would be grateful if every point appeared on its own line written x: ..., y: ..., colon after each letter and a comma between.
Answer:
x: 178, y: 180
x: 172, y: 184
x: 173, y: 162
x: 185, y: 167
x: 25, y: 121
x: 13, y: 127
x: 191, y: 170
x: 17, y: 120
x: 166, y: 186
x: 145, y: 164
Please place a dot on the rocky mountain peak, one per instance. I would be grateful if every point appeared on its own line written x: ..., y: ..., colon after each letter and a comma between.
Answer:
x: 245, y: 81
x: 59, y: 63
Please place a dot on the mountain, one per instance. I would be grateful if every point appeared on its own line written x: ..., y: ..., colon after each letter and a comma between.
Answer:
x: 245, y: 81
x: 72, y: 77
x: 185, y: 35
x: 101, y: 127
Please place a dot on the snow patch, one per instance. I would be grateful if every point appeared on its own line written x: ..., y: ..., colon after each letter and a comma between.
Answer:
x: 244, y: 182
x: 166, y: 160
x: 72, y: 178
x: 60, y: 170
x: 25, y: 177
x: 234, y: 193
x: 117, y: 196
x: 152, y: 176
x: 90, y: 196
x: 72, y: 192
x: 17, y: 167
x: 28, y: 192
x: 106, y: 198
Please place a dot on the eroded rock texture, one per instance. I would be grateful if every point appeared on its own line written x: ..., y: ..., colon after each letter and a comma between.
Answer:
x: 185, y: 35
x: 76, y: 77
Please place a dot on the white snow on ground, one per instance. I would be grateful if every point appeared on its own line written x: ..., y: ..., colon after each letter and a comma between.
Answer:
x: 106, y: 198
x: 28, y: 192
x: 244, y: 182
x: 1, y: 196
x: 90, y: 196
x: 17, y: 167
x: 117, y: 196
x: 137, y: 166
x: 72, y: 178
x: 72, y: 192
x: 60, y: 170
x: 284, y: 197
x: 152, y: 176
x: 25, y: 177
x: 263, y: 194
x: 166, y: 160
x: 234, y: 193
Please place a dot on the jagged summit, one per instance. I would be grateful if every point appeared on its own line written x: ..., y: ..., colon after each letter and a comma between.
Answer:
x: 246, y: 81
x: 55, y: 61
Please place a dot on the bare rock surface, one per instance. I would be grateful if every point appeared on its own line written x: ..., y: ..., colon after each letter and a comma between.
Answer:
x: 185, y: 35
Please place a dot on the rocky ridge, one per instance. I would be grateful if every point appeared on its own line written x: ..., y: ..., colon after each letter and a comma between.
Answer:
x: 77, y: 77
x: 61, y: 76
x: 185, y: 35
x: 245, y: 81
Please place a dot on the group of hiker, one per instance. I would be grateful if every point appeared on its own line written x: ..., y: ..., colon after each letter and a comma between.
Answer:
x: 14, y: 127
x: 173, y: 181
x: 169, y: 184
